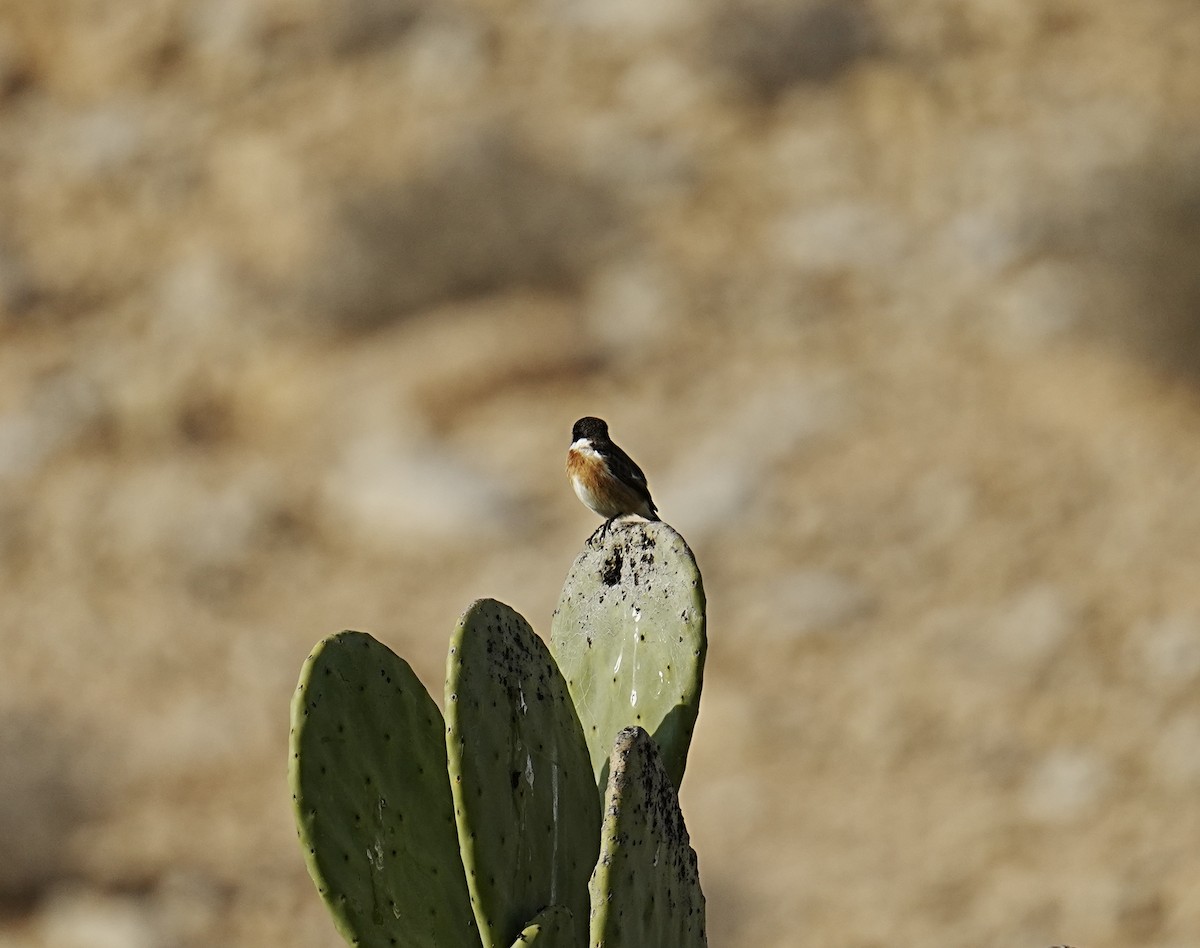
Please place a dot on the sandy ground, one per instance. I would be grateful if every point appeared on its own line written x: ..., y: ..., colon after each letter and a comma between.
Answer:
x: 897, y: 304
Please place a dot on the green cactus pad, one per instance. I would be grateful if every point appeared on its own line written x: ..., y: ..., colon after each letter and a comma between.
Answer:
x: 646, y: 888
x: 372, y: 797
x: 629, y: 635
x: 525, y: 801
x: 553, y: 928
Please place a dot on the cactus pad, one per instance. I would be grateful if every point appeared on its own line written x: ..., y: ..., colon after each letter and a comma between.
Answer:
x: 373, y: 806
x: 524, y: 795
x: 553, y: 928
x: 629, y: 635
x: 646, y: 888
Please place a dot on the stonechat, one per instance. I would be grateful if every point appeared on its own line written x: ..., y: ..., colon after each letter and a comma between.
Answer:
x: 605, y: 477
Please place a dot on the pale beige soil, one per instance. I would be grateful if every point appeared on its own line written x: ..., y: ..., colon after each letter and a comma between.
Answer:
x: 896, y: 303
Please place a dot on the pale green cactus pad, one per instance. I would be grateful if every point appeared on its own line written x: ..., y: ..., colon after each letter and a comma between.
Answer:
x: 629, y: 635
x: 646, y: 888
x: 372, y: 797
x: 553, y: 928
x: 524, y: 796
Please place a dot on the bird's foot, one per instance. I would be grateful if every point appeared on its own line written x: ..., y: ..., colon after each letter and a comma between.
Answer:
x: 600, y: 534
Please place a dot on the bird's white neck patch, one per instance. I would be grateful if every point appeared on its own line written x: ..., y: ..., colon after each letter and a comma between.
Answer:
x: 584, y: 447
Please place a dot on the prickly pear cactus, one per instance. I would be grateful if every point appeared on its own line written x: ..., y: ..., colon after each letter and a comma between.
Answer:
x: 553, y: 928
x: 524, y: 796
x: 372, y: 797
x: 629, y: 635
x: 646, y: 888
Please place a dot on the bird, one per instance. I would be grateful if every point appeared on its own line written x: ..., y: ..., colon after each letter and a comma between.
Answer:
x: 605, y: 477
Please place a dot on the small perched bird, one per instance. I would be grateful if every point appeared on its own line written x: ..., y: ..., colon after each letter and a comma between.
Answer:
x: 605, y: 477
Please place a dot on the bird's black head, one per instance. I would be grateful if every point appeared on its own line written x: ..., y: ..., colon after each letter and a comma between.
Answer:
x: 594, y: 429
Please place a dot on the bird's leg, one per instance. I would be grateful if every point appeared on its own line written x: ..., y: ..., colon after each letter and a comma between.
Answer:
x: 601, y: 531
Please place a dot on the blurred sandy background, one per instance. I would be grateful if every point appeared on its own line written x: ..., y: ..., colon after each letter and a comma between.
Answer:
x: 897, y: 303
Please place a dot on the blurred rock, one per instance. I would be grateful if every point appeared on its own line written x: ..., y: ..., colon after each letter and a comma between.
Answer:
x: 79, y: 918
x: 1135, y: 238
x: 1031, y: 625
x: 18, y: 292
x: 237, y: 42
x: 111, y: 47
x: 221, y: 27
x: 103, y: 141
x: 1040, y: 304
x: 980, y: 243
x: 716, y: 479
x: 488, y: 217
x: 43, y: 783
x: 659, y: 91
x: 1176, y: 752
x: 22, y: 447
x: 1016, y: 639
x: 770, y: 46
x: 840, y: 235
x: 263, y: 192
x: 633, y: 22
x: 805, y: 601
x: 397, y: 494
x: 195, y: 293
x: 180, y: 525
x: 364, y: 25
x: 188, y: 903
x: 1167, y: 650
x: 1065, y: 786
x: 65, y: 408
x: 942, y: 505
x: 16, y: 69
x: 448, y: 58
x: 644, y: 167
x: 633, y: 305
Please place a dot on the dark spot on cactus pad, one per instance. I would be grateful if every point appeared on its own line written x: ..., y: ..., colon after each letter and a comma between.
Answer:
x: 610, y: 572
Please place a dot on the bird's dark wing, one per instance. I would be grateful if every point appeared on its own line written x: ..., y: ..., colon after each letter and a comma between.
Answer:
x: 623, y: 466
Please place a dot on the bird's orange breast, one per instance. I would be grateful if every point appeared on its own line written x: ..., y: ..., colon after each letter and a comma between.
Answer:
x: 589, y: 471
